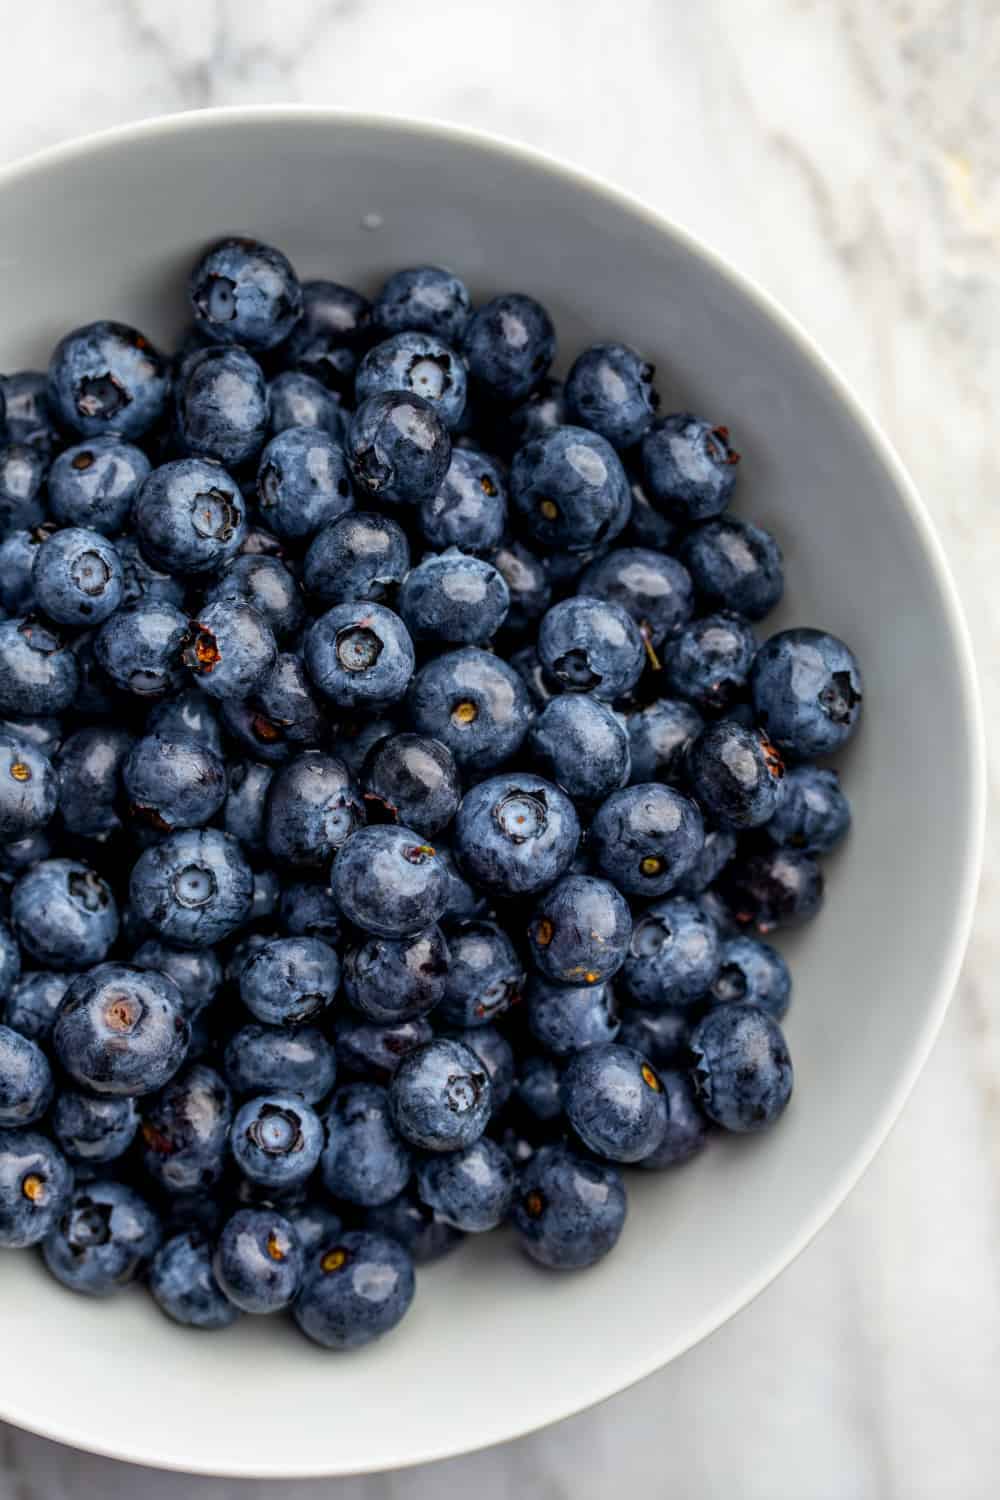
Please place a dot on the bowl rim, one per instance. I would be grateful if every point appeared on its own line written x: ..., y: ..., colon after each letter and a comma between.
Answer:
x: 559, y: 1407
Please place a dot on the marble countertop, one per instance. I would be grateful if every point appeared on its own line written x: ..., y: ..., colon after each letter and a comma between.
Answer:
x: 847, y: 154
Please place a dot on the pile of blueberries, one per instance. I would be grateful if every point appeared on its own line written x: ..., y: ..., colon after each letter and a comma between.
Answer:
x: 393, y: 795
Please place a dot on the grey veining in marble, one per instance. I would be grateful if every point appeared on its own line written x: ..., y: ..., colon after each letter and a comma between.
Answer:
x: 847, y: 154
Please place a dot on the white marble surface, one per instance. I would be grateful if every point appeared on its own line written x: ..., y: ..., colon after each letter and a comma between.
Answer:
x: 847, y: 153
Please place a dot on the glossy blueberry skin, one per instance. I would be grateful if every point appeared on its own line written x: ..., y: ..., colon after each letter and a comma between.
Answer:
x: 515, y: 834
x: 22, y: 471
x: 398, y: 449
x: 299, y: 400
x: 673, y: 958
x: 280, y: 716
x: 35, y: 1188
x: 189, y: 517
x: 813, y: 813
x: 140, y: 580
x: 537, y: 1085
x: 471, y: 1189
x: 359, y: 655
x: 63, y: 914
x: 246, y: 802
x: 807, y: 692
x: 364, y: 1160
x: 419, y: 364
x: 360, y: 556
x: 441, y: 1096
x: 17, y: 561
x: 38, y: 672
x: 30, y: 420
x: 121, y: 1031
x: 736, y: 774
x: 267, y: 585
x: 29, y: 788
x: 185, y: 1131
x: 107, y: 378
x: 647, y: 527
x: 314, y: 1223
x: 566, y: 1018
x: 752, y: 973
x: 309, y: 910
x: 313, y: 807
x: 355, y: 1290
x: 687, y: 1130
x: 660, y: 1035
x: 10, y: 963
x: 469, y: 509
x: 388, y: 881
x: 538, y: 414
x: 570, y: 491
x: 569, y: 1211
x: 25, y: 1079
x: 485, y: 976
x: 194, y: 889
x: 527, y: 584
x: 411, y: 779
x: 221, y: 406
x: 709, y: 662
x: 140, y: 647
x: 475, y: 703
x: 689, y: 467
x: 94, y: 484
x: 89, y: 779
x: 173, y: 784
x: 418, y: 1229
x: 183, y: 1284
x: 509, y: 344
x: 741, y: 1069
x: 92, y: 1131
x: 33, y: 1003
x: 45, y: 733
x: 659, y: 735
x: 290, y: 980
x: 615, y: 1102
x: 276, y: 1140
x: 280, y: 1059
x: 579, y: 931
x: 455, y: 599
x: 463, y: 901
x: 388, y: 980
x: 230, y: 649
x: 197, y: 975
x: 245, y: 292
x: 582, y: 745
x: 610, y: 390
x: 335, y: 328
x: 426, y: 299
x: 105, y: 1236
x: 650, y: 586
x: 772, y: 889
x: 734, y: 565
x: 497, y: 1057
x: 645, y: 839
x: 302, y: 483
x: 718, y: 849
x: 590, y: 645
x: 371, y: 1051
x: 258, y: 1261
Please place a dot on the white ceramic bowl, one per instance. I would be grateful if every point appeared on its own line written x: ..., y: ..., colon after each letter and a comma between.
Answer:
x: 494, y: 1347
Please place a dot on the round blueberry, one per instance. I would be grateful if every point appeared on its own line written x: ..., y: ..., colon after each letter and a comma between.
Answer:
x: 718, y: 849
x: 687, y: 1129
x: 360, y: 556
x: 515, y: 834
x: 509, y: 344
x: 615, y: 1102
x: 245, y: 292
x: 276, y: 1140
x: 579, y: 931
x: 566, y: 1018
x: 582, y: 745
x: 354, y: 1290
x: 471, y: 1189
x: 183, y: 1284
x: 650, y: 586
x: 120, y: 1030
x: 25, y: 1079
x: 222, y: 412
x: 94, y: 484
x: 689, y: 467
x: 17, y: 562
x: 360, y: 655
x: 734, y: 565
x: 290, y: 980
x: 189, y: 516
x: 197, y: 974
x: 30, y: 419
x: 423, y: 298
x: 776, y: 888
x: 674, y: 956
x: 709, y: 662
x: 258, y: 1261
x: 140, y: 647
x: 736, y: 775
x: 22, y: 471
x: 309, y: 910
x: 441, y: 1096
x: 89, y: 779
x: 140, y: 580
x: 64, y: 914
x: 590, y: 645
x: 364, y: 1160
x: 411, y: 779
x: 398, y: 449
x: 35, y: 1188
x: 333, y: 331
x: 185, y: 1131
x: 469, y: 509
x: 302, y: 483
x: 527, y: 584
x: 742, y: 1071
x: 610, y: 390
x: 281, y: 715
x: 418, y: 364
x: 475, y: 703
x: 396, y: 979
x: 173, y: 784
x: 230, y: 649
x: 314, y: 1223
x: 194, y: 889
x: 280, y: 1059
x: 752, y: 973
x: 537, y: 1086
x: 313, y: 807
x: 29, y: 788
x: 454, y: 598
x: 646, y: 838
x: 570, y: 490
x: 296, y: 399
x: 108, y: 378
x: 33, y: 1003
x: 538, y: 414
x: 569, y: 1211
x: 246, y: 803
x: 104, y: 1237
x: 94, y: 1131
x: 807, y: 692
x: 812, y: 814
x: 485, y: 976
x: 267, y: 585
x: 38, y: 671
x: 389, y: 882
x: 77, y: 577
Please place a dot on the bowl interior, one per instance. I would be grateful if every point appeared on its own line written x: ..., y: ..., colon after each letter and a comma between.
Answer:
x: 494, y: 1347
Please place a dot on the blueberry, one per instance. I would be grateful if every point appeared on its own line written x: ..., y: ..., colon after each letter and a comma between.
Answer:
x: 591, y: 645
x: 454, y: 598
x: 309, y: 910
x: 290, y: 980
x: 390, y: 980
x: 30, y: 420
x: 364, y: 1160
x: 140, y: 580
x: 582, y: 745
x: 646, y: 839
x: 22, y: 471
x: 566, y: 1018
x: 570, y: 490
x: 108, y: 378
x: 332, y: 333
x: 527, y: 584
x: 807, y: 692
x: 280, y: 1059
x: 357, y: 736
x: 104, y: 1237
x: 418, y: 364
x: 17, y: 562
x: 421, y: 1232
x: 709, y: 662
x: 659, y: 735
x: 266, y: 584
x: 538, y: 414
x: 441, y: 1096
x: 281, y: 714
x: 29, y: 788
x: 497, y: 1057
x: 660, y: 1035
x: 89, y: 779
x: 302, y: 483
x: 389, y: 882
x: 33, y: 1003
x: 674, y: 956
x: 689, y: 467
x: 463, y: 901
x: 194, y: 889
x: 246, y: 802
x: 44, y: 732
x: 276, y: 1140
x: 173, y: 784
x: 121, y: 1031
x: 94, y: 484
x: 359, y: 655
x: 354, y: 1291
x: 398, y: 449
x: 537, y: 1086
x: 515, y: 834
x: 313, y: 807
x: 197, y: 974
x: 189, y: 516
x: 245, y: 292
x: 423, y: 298
x: 736, y: 775
x: 509, y: 344
x: 813, y: 814
x: 185, y: 1131
x: 610, y: 390
x: 230, y: 649
x: 776, y: 888
x: 376, y: 1051
x: 38, y: 671
x: 472, y: 1189
x: 25, y: 1079
x: 485, y: 976
x: 140, y: 647
x: 579, y: 931
x: 64, y: 914
x: 469, y: 509
x: 359, y: 556
x: 752, y: 973
x: 687, y: 1128
x: 35, y: 1188
x: 475, y: 703
x: 411, y: 779
x: 258, y: 1261
x: 296, y: 399
x: 222, y: 411
x: 615, y: 1102
x: 569, y: 1211
x: 93, y: 1131
x: 734, y: 565
x: 647, y: 527
x: 650, y: 586
x: 183, y: 1284
x: 314, y: 1223
x: 742, y: 1071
